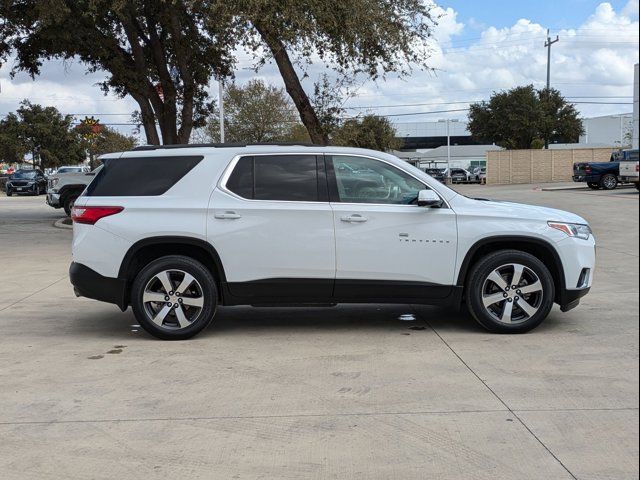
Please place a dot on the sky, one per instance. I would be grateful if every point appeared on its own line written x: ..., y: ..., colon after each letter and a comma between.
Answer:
x: 478, y: 47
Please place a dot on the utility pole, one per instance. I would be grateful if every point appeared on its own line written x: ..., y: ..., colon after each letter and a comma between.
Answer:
x: 221, y: 109
x: 548, y: 44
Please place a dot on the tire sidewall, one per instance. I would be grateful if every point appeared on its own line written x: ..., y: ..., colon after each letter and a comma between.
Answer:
x: 199, y: 272
x: 69, y: 202
x: 482, y: 270
x: 603, y: 182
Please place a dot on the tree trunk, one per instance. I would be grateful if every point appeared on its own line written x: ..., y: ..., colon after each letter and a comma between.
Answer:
x: 148, y: 119
x: 294, y: 87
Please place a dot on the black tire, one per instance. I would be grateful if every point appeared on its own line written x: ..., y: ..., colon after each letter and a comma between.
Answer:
x: 36, y: 190
x: 593, y: 186
x: 68, y: 203
x: 478, y: 281
x: 170, y: 329
x: 9, y: 193
x: 609, y: 182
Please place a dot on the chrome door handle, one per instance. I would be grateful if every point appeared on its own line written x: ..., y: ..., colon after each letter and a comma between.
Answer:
x: 354, y: 219
x: 227, y: 216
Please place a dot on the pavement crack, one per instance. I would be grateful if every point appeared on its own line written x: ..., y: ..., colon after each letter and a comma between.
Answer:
x: 32, y: 294
x: 493, y: 392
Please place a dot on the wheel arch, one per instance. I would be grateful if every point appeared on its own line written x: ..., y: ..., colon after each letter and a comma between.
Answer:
x: 541, y: 249
x: 149, y: 249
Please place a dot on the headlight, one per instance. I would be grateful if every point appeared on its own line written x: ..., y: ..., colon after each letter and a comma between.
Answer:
x: 573, y: 229
x: 53, y: 182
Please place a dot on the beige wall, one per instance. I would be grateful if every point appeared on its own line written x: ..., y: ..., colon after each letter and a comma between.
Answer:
x: 539, y: 166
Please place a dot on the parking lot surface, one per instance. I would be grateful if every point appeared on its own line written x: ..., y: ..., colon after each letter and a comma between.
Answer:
x: 344, y: 392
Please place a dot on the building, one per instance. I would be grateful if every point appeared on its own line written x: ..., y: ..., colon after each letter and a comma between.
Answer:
x: 461, y: 156
x: 610, y: 130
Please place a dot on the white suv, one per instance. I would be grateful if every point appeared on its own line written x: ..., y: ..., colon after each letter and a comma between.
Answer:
x: 176, y: 231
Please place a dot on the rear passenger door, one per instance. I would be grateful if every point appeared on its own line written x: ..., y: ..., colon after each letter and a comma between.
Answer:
x: 271, y: 222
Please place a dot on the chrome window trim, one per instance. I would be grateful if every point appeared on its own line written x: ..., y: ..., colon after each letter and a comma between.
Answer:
x: 222, y: 183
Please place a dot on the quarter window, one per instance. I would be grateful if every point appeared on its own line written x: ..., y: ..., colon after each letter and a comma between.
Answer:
x: 365, y: 180
x: 276, y: 177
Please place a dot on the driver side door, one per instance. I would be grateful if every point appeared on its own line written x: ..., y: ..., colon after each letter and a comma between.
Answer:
x: 387, y: 246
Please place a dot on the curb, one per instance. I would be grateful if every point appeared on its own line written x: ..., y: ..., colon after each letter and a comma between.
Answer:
x: 59, y: 224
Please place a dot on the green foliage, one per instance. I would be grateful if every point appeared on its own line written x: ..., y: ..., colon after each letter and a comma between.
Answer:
x: 44, y: 133
x: 368, y: 37
x: 254, y: 113
x: 375, y: 133
x: 162, y: 53
x: 523, y: 116
x: 11, y: 148
x: 108, y: 141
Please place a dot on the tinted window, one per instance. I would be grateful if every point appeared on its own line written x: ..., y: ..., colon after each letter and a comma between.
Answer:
x: 140, y: 176
x: 241, y: 180
x: 290, y: 177
x: 274, y: 177
x: 365, y: 180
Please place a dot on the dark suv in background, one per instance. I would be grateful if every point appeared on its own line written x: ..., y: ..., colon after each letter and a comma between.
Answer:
x: 26, y: 181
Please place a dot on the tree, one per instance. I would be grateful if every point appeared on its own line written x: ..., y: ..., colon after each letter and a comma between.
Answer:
x: 106, y: 140
x: 254, y: 113
x: 11, y: 147
x: 524, y: 117
x: 375, y: 133
x: 44, y: 133
x: 370, y: 37
x: 162, y: 53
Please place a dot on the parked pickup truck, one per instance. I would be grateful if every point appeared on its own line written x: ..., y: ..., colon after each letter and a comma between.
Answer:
x: 64, y: 188
x: 604, y: 175
x: 629, y: 169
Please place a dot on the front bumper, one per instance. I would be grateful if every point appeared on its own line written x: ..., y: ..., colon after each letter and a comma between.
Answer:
x: 53, y: 200
x: 578, y: 259
x: 89, y: 283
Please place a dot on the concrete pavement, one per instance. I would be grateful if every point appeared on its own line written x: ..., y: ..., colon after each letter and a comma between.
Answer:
x: 345, y: 392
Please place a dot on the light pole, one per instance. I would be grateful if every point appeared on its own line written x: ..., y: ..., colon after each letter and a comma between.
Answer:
x: 221, y: 109
x: 447, y: 121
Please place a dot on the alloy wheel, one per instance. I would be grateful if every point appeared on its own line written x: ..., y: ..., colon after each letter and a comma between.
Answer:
x: 173, y: 299
x: 512, y: 293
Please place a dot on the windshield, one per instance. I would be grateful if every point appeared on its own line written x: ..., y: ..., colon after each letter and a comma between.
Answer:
x: 70, y: 170
x: 24, y: 174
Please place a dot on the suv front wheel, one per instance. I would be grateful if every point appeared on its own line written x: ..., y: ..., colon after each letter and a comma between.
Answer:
x: 174, y: 297
x: 510, y: 292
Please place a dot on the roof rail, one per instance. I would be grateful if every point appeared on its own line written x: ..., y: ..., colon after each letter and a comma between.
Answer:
x: 224, y: 145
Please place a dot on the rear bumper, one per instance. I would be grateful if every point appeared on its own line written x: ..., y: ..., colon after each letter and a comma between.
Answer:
x: 587, y: 178
x: 90, y: 284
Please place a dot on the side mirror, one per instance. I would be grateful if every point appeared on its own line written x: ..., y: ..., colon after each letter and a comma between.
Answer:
x: 429, y: 198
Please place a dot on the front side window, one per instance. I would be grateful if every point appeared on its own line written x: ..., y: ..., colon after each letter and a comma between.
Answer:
x: 276, y: 177
x: 365, y: 180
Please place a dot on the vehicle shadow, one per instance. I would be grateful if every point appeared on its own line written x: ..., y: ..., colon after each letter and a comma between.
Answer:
x: 240, y: 320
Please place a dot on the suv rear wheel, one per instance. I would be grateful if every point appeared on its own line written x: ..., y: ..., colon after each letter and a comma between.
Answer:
x: 174, y: 297
x: 510, y: 292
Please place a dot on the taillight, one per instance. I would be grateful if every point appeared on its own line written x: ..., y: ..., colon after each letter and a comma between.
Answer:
x: 90, y: 215
x: 637, y: 167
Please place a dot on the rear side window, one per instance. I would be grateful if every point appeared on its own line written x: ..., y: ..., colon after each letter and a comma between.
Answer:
x: 140, y: 176
x: 274, y: 177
